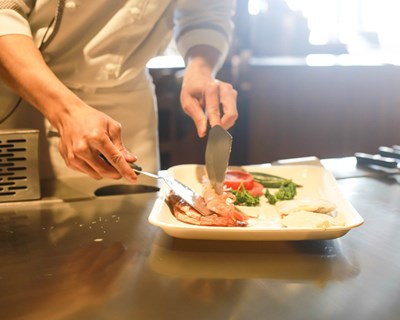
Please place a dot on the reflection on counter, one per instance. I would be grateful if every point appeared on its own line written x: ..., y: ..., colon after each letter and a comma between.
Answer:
x: 319, y: 261
x: 59, y: 259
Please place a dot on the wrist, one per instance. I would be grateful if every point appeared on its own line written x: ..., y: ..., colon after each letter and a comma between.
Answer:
x: 58, y: 104
x: 204, y: 59
x: 199, y: 70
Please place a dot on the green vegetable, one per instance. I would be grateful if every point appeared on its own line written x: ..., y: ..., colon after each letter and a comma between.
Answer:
x: 244, y: 198
x: 271, y: 198
x: 270, y: 180
x: 287, y: 191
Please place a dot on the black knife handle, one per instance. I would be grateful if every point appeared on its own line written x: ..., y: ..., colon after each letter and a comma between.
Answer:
x: 389, y: 152
x: 133, y: 165
x: 367, y: 159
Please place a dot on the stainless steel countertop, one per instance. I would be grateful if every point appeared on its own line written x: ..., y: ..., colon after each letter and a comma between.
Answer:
x: 98, y: 258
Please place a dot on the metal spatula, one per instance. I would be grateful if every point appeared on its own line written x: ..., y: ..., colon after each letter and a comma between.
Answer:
x: 187, y: 194
x: 191, y: 197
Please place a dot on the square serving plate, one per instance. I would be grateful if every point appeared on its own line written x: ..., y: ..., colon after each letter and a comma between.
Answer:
x: 316, y: 182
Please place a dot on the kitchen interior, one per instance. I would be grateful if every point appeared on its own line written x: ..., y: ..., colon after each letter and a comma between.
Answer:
x: 318, y: 79
x: 314, y: 78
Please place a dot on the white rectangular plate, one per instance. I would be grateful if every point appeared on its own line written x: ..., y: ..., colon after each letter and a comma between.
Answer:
x: 316, y: 182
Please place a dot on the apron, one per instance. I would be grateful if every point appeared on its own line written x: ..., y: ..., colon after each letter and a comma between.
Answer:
x: 100, y: 51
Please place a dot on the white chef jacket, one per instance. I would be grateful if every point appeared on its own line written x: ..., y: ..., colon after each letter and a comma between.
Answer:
x: 99, y: 49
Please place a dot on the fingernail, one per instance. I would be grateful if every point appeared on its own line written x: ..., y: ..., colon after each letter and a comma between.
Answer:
x: 201, y: 132
x: 132, y: 178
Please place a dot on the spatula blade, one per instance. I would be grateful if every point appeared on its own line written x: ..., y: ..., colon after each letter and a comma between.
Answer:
x: 191, y: 197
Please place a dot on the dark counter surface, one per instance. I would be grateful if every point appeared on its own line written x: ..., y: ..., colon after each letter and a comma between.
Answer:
x: 99, y: 258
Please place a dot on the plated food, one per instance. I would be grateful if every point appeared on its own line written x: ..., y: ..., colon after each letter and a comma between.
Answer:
x: 310, y: 206
x: 244, y: 191
x: 222, y: 212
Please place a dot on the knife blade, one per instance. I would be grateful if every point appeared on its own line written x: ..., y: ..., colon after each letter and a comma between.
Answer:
x: 218, y: 150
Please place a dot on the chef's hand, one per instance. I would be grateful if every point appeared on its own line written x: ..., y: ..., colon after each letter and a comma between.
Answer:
x: 205, y: 99
x: 87, y: 133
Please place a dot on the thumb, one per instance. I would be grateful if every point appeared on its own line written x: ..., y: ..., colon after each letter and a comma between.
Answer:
x: 115, y: 134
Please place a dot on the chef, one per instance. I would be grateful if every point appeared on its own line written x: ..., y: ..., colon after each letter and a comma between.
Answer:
x: 82, y: 66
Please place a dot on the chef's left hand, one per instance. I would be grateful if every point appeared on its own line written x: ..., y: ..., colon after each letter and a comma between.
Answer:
x: 207, y: 100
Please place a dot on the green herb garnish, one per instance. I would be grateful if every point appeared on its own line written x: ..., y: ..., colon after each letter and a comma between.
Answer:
x: 287, y: 191
x: 244, y: 198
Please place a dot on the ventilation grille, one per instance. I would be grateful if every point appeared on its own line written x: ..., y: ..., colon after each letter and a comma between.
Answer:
x: 19, y: 176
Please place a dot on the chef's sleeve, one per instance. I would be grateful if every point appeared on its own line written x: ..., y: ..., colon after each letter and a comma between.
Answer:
x: 13, y: 17
x: 204, y: 22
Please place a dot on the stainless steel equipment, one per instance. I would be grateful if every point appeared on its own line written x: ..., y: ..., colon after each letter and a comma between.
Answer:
x: 19, y: 172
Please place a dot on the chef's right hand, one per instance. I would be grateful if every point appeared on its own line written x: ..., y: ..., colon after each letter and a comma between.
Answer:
x: 87, y: 133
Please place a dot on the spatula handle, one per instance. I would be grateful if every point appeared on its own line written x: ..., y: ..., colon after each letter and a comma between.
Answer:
x: 138, y: 170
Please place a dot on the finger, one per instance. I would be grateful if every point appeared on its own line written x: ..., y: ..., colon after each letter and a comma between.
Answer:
x: 228, y: 98
x: 212, y: 104
x: 115, y: 132
x: 77, y: 164
x: 117, y: 160
x: 88, y: 159
x: 193, y: 108
x: 83, y: 167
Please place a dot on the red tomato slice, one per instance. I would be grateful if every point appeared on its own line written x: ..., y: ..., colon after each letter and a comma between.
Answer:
x: 234, y: 179
x: 257, y: 189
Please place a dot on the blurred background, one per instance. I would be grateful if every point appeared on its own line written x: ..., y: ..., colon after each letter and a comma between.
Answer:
x: 314, y: 78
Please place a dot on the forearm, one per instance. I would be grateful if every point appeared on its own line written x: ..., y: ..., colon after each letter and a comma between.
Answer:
x: 23, y: 69
x: 204, y: 28
x: 85, y: 132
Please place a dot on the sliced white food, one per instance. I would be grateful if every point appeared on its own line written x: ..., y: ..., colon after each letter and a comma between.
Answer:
x: 305, y: 204
x: 253, y: 212
x: 309, y: 219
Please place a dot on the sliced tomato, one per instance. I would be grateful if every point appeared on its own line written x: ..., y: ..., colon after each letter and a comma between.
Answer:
x: 257, y: 189
x: 235, y: 178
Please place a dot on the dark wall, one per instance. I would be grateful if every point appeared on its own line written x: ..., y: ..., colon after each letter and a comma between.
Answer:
x: 297, y: 111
